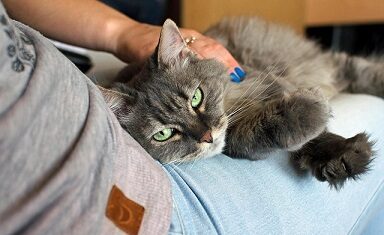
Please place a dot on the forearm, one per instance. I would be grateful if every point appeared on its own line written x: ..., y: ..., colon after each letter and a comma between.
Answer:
x: 91, y: 24
x: 86, y: 23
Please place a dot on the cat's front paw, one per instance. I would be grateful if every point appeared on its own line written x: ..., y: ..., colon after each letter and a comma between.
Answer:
x: 306, y: 112
x: 334, y: 159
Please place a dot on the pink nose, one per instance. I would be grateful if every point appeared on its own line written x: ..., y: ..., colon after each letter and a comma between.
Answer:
x: 207, y: 137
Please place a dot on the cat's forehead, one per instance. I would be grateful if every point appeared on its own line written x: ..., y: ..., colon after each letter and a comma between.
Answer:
x: 188, y: 74
x: 179, y: 79
x: 174, y: 98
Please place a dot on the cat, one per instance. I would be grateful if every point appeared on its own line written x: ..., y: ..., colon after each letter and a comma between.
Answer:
x: 181, y: 108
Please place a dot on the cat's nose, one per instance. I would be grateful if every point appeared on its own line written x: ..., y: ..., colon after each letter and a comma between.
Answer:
x: 207, y: 137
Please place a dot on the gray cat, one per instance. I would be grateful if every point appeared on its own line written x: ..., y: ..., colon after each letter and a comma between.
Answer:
x: 181, y: 108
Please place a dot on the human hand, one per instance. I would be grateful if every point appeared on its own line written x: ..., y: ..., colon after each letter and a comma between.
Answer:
x: 139, y: 41
x: 209, y: 48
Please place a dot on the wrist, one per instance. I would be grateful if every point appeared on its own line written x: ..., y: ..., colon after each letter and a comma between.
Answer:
x: 115, y: 34
x: 135, y: 41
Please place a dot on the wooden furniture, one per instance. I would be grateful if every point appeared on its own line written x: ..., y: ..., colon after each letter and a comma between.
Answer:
x: 338, y: 12
x: 200, y: 14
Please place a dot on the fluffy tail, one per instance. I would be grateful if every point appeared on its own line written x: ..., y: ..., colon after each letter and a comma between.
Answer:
x: 359, y: 75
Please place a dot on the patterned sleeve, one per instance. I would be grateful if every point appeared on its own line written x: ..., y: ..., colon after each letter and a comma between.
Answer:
x: 17, y: 60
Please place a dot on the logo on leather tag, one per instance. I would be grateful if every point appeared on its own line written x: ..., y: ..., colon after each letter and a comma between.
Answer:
x: 123, y: 212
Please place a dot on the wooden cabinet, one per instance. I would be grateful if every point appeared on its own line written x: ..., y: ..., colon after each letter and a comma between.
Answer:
x: 336, y: 12
x: 200, y: 14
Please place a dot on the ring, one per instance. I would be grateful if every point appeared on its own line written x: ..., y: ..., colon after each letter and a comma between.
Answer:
x: 190, y: 40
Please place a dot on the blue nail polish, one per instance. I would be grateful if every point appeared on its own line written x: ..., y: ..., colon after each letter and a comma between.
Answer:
x: 235, y: 78
x: 240, y: 72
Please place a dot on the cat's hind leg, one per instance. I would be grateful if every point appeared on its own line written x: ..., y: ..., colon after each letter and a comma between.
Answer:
x: 282, y: 123
x: 335, y: 159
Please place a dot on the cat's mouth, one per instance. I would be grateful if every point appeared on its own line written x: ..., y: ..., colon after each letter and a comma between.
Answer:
x: 218, y: 137
x: 205, y: 149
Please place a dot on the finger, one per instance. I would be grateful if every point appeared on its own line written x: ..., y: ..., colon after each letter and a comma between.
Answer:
x: 235, y: 71
x: 210, y: 49
x: 197, y: 48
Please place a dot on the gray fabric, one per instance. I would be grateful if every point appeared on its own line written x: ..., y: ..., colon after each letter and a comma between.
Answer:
x: 61, y: 149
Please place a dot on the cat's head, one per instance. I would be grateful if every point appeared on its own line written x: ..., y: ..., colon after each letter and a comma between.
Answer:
x: 174, y: 106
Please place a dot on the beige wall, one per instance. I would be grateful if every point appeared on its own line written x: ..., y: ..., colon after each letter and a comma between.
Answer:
x: 326, y: 12
x: 200, y: 14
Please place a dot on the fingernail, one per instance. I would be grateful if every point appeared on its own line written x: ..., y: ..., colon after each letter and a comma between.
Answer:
x: 240, y: 72
x: 235, y: 78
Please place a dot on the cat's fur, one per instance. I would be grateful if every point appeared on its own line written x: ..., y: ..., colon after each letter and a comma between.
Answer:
x: 282, y: 103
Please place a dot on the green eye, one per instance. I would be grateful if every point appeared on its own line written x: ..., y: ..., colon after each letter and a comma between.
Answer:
x: 197, y: 98
x: 163, y: 135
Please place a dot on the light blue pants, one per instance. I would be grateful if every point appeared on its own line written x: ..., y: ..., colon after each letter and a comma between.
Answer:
x: 221, y: 195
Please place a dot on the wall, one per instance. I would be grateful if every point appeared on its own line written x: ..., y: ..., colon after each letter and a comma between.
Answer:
x: 200, y: 14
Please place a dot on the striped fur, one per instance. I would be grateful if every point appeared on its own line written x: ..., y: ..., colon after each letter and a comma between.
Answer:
x: 282, y: 104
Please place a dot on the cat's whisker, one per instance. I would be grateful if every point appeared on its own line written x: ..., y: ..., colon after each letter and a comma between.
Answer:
x: 248, y: 102
x: 248, y: 106
x: 255, y: 88
x: 236, y: 116
x: 193, y: 163
x: 245, y: 107
x: 274, y: 80
x: 236, y: 120
x: 240, y: 106
x: 266, y: 88
x: 171, y: 162
x: 252, y: 85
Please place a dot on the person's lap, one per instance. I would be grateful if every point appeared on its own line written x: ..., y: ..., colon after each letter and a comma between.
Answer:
x: 231, y: 196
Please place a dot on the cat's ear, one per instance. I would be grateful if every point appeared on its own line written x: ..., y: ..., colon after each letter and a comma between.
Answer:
x: 172, y: 48
x: 120, y: 103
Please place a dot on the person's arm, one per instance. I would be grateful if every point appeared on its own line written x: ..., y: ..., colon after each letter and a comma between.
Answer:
x: 94, y: 25
x: 86, y: 23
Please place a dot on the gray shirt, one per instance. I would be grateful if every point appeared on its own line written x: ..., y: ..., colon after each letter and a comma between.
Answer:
x: 61, y: 148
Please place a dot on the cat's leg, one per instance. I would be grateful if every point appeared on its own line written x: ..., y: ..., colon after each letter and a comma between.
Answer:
x: 286, y: 123
x: 333, y: 158
x: 359, y: 75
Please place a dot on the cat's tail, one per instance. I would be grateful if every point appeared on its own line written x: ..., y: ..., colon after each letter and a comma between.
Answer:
x: 359, y: 75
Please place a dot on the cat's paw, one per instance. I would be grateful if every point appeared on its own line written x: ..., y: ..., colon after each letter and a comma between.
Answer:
x: 306, y: 112
x: 337, y: 159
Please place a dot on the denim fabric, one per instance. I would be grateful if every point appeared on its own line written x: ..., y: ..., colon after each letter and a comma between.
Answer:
x: 221, y: 195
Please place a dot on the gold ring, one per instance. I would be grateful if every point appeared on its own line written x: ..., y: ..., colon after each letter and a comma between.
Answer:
x: 190, y: 40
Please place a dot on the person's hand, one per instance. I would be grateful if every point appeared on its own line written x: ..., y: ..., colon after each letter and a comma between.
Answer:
x: 209, y: 48
x: 139, y: 41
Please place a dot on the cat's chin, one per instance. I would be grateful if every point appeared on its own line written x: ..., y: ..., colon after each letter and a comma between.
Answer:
x: 218, y: 134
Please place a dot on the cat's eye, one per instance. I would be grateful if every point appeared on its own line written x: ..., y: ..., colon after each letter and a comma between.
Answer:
x: 164, y: 134
x: 197, y: 98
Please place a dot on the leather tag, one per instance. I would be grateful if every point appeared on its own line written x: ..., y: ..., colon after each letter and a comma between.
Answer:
x: 123, y: 212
